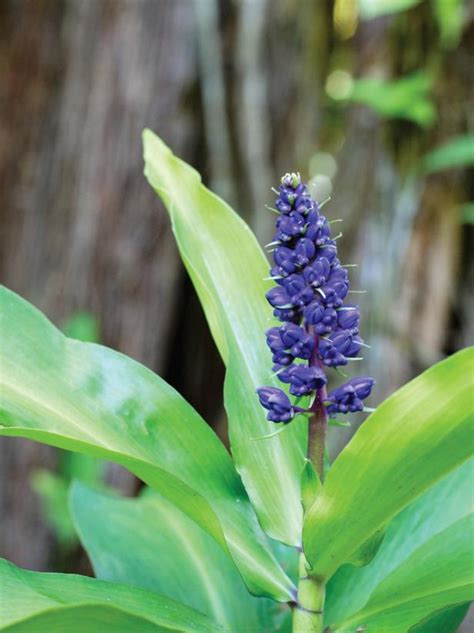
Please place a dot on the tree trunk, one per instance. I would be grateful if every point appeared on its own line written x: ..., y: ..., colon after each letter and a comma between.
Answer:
x: 83, y: 230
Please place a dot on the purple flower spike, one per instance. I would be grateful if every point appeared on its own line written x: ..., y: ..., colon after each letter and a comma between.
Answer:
x: 311, y: 287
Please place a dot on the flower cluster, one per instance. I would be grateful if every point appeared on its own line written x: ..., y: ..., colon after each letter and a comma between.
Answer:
x: 318, y: 329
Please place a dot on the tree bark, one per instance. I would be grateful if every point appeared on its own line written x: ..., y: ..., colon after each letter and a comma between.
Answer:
x: 83, y: 230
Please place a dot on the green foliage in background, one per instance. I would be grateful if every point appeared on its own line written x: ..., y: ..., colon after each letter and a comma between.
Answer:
x: 405, y: 98
x: 370, y: 9
x: 455, y: 153
x: 389, y: 531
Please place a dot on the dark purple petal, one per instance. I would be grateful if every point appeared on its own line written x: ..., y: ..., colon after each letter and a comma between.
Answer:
x: 278, y: 297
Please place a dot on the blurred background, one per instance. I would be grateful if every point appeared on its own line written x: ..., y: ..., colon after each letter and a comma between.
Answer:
x: 371, y: 100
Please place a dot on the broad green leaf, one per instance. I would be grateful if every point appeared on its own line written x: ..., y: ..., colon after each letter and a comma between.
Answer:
x: 414, y: 438
x: 55, y: 603
x: 439, y: 574
x: 228, y: 269
x: 52, y: 487
x: 87, y: 398
x: 457, y: 152
x: 375, y: 8
x: 148, y: 543
x: 438, y: 509
x: 405, y: 98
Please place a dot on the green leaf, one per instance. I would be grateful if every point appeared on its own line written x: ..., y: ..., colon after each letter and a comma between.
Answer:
x: 370, y: 9
x: 54, y: 603
x: 406, y: 98
x: 310, y: 485
x: 415, y: 437
x: 52, y: 487
x: 178, y: 560
x: 82, y: 326
x: 87, y: 398
x: 369, y: 548
x: 450, y: 18
x: 438, y: 509
x: 228, y: 269
x: 53, y: 491
x: 455, y: 153
x: 467, y: 213
x: 439, y: 574
x: 444, y: 621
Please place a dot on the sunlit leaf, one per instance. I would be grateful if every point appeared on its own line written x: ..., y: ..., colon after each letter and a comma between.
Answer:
x: 149, y: 543
x: 438, y: 574
x: 87, y: 398
x: 228, y: 269
x: 55, y: 603
x: 435, y: 512
x: 52, y: 487
x: 417, y: 436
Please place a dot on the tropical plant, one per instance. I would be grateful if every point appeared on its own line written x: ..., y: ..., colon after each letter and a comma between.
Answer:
x: 380, y: 540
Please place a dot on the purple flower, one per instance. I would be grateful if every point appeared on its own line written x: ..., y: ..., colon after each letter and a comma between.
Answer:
x: 278, y: 297
x: 285, y: 263
x: 335, y: 349
x: 316, y: 274
x: 304, y: 380
x: 319, y: 230
x: 349, y: 397
x: 304, y: 251
x: 287, y: 314
x: 348, y: 318
x: 289, y: 226
x: 321, y: 318
x: 299, y: 292
x: 289, y: 341
x: 277, y: 403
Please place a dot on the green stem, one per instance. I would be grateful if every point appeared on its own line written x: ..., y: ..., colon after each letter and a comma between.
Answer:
x: 308, y: 613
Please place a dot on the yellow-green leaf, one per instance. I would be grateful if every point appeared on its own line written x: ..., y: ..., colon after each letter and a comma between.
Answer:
x: 228, y: 269
x: 87, y: 398
x: 418, y: 435
x: 55, y: 603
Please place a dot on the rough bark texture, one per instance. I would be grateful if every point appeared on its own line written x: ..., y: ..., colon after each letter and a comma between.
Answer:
x: 82, y: 229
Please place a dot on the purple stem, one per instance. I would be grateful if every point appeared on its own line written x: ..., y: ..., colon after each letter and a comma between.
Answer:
x: 318, y: 421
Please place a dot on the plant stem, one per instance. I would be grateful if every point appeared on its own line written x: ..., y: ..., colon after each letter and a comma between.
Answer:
x: 317, y: 433
x: 319, y: 420
x: 308, y: 613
